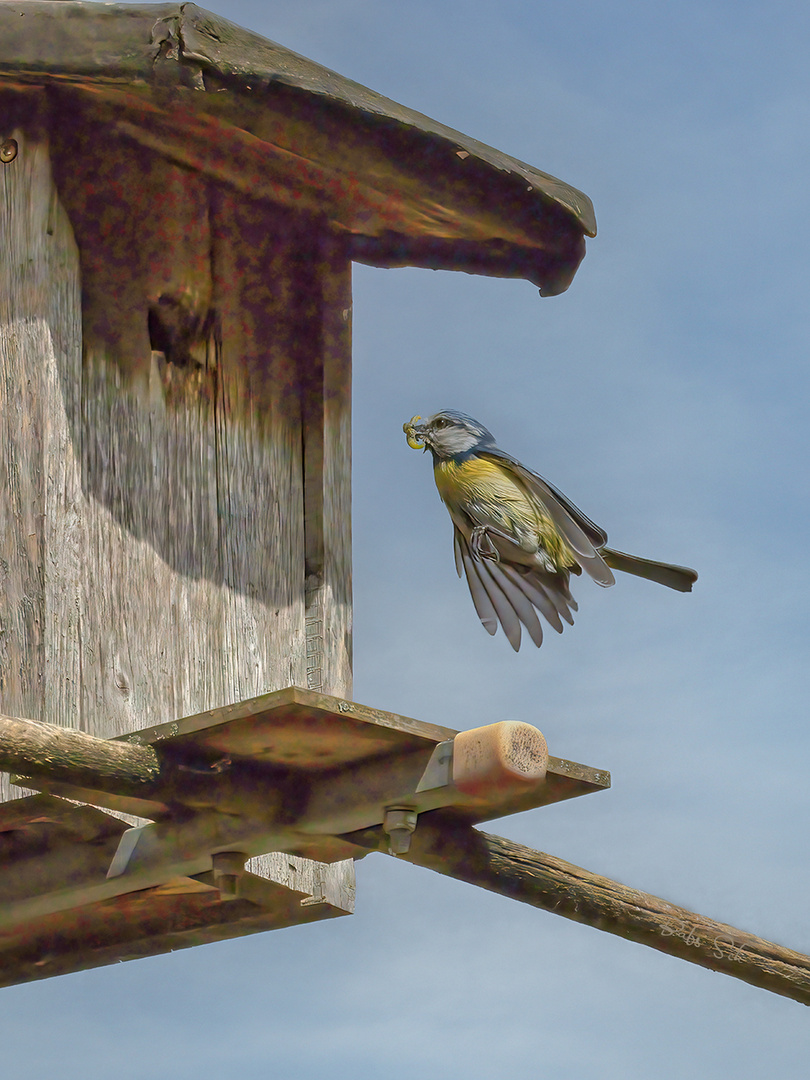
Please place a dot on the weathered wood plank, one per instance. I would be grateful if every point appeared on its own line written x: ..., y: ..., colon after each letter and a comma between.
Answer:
x: 191, y: 454
x: 327, y: 476
x: 160, y: 336
x: 164, y: 533
x: 182, y: 46
x: 40, y: 366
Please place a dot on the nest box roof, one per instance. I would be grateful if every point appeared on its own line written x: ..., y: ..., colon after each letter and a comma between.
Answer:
x: 401, y: 188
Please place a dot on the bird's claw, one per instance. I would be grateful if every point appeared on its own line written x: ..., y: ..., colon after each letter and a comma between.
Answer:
x: 481, y: 544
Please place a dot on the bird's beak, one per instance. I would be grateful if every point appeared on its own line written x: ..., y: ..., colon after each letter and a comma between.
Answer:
x: 415, y: 433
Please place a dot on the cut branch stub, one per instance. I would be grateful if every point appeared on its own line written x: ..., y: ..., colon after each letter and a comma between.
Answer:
x: 34, y: 749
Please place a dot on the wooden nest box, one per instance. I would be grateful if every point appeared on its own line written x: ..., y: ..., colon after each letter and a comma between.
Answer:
x: 181, y: 205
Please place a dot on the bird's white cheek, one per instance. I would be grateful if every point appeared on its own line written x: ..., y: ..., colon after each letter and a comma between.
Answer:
x: 457, y: 442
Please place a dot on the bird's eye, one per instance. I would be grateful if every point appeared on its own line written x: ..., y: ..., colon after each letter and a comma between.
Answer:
x: 441, y: 422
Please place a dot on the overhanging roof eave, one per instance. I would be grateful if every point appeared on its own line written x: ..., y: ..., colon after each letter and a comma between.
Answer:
x: 155, y: 47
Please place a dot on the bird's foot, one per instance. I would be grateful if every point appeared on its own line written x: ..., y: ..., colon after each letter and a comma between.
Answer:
x: 481, y: 544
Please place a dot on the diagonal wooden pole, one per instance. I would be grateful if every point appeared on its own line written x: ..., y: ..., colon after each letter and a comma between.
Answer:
x: 445, y: 844
x: 532, y: 877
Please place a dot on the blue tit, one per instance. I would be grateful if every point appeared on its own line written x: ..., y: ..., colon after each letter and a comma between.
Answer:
x: 516, y: 537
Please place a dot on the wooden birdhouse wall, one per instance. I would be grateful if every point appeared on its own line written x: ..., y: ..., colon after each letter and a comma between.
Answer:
x: 174, y: 431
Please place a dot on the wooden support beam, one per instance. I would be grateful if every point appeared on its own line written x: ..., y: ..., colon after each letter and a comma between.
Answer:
x: 532, y: 877
x: 324, y: 765
x: 287, y: 772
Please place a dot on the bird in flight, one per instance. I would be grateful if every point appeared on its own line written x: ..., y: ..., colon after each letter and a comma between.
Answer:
x: 515, y: 536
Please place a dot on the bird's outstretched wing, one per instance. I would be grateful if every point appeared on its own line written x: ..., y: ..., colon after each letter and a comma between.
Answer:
x: 509, y: 595
x: 594, y: 532
x: 589, y: 542
x: 581, y: 535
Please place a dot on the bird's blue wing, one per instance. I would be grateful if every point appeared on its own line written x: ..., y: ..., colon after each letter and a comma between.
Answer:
x: 594, y: 532
x: 582, y: 535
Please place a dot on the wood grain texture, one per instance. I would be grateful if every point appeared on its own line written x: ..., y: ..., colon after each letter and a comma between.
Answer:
x: 174, y: 465
x: 177, y: 46
x: 327, y: 471
x: 40, y: 365
x: 174, y: 524
x: 544, y: 881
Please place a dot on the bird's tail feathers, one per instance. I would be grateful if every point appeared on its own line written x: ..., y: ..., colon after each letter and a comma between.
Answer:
x: 674, y: 577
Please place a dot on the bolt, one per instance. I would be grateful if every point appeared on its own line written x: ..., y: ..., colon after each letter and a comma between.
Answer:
x: 399, y: 822
x: 229, y: 866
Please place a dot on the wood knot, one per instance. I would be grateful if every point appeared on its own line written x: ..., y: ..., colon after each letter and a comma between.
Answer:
x: 122, y: 683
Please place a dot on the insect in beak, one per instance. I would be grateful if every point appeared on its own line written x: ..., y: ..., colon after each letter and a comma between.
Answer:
x: 413, y: 434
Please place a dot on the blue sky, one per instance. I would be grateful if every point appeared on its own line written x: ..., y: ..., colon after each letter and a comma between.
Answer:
x: 666, y: 393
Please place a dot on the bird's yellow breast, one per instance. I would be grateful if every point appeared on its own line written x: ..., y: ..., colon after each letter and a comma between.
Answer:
x: 477, y: 479
x: 488, y: 493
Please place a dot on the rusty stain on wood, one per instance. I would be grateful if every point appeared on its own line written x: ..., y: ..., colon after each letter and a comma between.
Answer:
x: 296, y: 754
x: 177, y: 914
x: 292, y: 771
x: 153, y: 530
x: 167, y: 497
x: 402, y: 188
